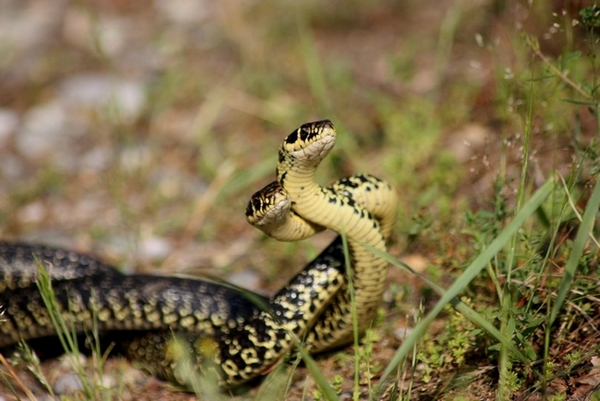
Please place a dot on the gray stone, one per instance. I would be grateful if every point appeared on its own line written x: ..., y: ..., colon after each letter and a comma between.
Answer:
x: 123, y: 99
x: 43, y: 130
x: 9, y: 120
x: 67, y: 384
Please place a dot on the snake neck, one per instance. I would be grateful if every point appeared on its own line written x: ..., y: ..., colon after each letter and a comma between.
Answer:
x: 325, y: 208
x: 342, y: 213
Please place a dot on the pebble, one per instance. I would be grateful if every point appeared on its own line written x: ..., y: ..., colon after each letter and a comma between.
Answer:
x: 135, y: 157
x: 467, y: 141
x: 96, y: 159
x: 11, y: 167
x: 24, y: 25
x: 104, y: 92
x: 172, y: 183
x: 112, y: 35
x: 108, y: 381
x: 246, y: 279
x: 154, y: 249
x: 67, y: 360
x: 43, y: 130
x: 416, y: 261
x: 401, y: 333
x: 32, y: 213
x: 9, y: 120
x: 67, y: 384
x: 185, y: 12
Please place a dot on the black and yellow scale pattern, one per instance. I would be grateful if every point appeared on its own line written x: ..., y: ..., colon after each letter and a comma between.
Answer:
x: 245, y: 339
x: 194, y: 309
x: 362, y: 206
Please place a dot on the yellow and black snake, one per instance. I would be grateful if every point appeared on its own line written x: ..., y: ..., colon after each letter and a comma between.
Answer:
x: 245, y: 339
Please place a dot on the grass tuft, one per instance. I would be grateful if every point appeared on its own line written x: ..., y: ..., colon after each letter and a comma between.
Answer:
x: 67, y: 332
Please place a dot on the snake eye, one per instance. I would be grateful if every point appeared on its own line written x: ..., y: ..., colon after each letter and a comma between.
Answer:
x: 254, y: 205
x: 307, y: 131
x: 319, y: 126
x: 293, y: 137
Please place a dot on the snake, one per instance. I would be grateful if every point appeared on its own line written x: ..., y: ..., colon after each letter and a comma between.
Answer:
x: 242, y: 337
x: 335, y: 208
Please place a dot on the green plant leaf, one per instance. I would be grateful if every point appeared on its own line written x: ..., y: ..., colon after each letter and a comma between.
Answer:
x: 583, y: 233
x: 468, y: 275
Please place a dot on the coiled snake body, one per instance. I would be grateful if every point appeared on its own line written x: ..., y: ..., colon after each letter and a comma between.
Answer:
x: 241, y: 336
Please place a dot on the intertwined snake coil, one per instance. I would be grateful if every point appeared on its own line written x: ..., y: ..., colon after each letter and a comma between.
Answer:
x: 241, y: 337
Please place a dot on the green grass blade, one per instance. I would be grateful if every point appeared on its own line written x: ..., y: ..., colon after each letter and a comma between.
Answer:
x: 314, y: 68
x: 328, y: 392
x: 354, y: 315
x: 65, y: 331
x: 587, y: 222
x: 460, y: 306
x: 34, y: 365
x: 246, y: 178
x: 469, y: 274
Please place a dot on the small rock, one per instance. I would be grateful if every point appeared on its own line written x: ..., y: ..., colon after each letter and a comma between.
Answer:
x: 133, y: 158
x: 32, y: 213
x: 9, y: 120
x: 108, y: 381
x: 43, y: 130
x: 98, y: 91
x: 186, y: 12
x: 171, y: 183
x: 67, y: 360
x: 467, y: 140
x: 246, y: 279
x: 401, y: 333
x: 11, y: 167
x: 30, y: 24
x: 154, y: 248
x: 67, y: 384
x: 416, y: 262
x: 112, y: 35
x: 96, y: 159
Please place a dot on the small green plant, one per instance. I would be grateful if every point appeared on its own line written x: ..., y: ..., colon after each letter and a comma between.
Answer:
x: 557, y: 397
x: 573, y: 357
x: 26, y: 354
x: 590, y: 17
x: 67, y: 331
x: 448, y: 350
x: 336, y: 383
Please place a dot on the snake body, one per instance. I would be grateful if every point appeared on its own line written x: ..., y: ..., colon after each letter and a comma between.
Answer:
x: 299, y: 156
x: 195, y: 309
x: 244, y: 338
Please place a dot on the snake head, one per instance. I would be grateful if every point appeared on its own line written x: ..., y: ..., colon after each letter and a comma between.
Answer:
x: 310, y: 143
x: 268, y: 207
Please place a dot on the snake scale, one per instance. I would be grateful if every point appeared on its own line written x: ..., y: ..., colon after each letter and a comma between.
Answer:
x: 241, y: 337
